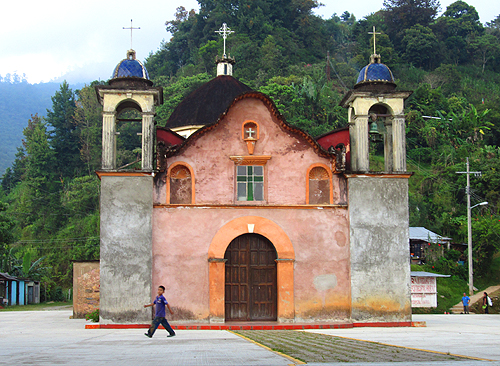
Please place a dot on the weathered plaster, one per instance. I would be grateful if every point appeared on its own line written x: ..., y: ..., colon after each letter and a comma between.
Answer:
x: 126, y: 246
x: 286, y: 171
x: 319, y: 243
x: 380, y: 274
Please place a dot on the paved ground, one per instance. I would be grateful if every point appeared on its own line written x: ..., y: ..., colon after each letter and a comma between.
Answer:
x: 51, y: 338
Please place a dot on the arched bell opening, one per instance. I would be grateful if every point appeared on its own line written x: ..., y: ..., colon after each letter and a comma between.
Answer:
x: 129, y: 135
x: 377, y: 134
x: 381, y: 139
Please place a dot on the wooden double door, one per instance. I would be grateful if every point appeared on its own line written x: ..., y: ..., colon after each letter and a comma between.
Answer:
x: 251, y: 279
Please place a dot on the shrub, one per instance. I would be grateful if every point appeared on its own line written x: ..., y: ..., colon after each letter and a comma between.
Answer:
x: 93, y: 316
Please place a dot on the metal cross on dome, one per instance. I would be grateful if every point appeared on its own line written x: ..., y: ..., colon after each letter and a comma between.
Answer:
x: 374, y: 34
x: 224, y: 31
x: 131, y: 29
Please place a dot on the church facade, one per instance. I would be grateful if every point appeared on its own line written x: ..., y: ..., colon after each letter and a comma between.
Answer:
x: 250, y: 218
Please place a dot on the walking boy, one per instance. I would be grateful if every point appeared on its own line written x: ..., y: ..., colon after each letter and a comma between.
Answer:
x: 160, y: 303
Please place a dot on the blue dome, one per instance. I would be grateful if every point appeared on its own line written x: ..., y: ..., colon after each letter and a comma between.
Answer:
x: 375, y: 72
x: 130, y: 68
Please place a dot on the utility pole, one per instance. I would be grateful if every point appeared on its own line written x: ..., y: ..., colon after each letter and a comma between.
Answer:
x: 469, y: 225
x: 328, y: 65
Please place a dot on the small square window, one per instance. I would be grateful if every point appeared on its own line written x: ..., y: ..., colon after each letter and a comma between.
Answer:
x: 250, y: 182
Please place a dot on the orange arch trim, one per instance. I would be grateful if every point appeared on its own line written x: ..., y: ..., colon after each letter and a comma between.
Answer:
x: 329, y: 180
x: 192, y: 180
x: 261, y: 226
x: 285, y: 264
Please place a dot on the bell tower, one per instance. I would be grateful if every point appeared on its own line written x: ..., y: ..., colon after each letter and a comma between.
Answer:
x: 129, y: 88
x: 126, y: 205
x: 376, y: 113
x: 378, y: 200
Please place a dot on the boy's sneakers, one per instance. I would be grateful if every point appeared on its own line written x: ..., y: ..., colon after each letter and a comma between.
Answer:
x: 171, y: 335
x: 147, y: 335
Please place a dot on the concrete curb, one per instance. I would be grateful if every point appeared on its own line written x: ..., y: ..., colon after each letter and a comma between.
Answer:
x: 257, y: 326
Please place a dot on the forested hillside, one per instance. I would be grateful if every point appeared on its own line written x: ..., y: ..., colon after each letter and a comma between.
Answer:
x: 451, y: 62
x: 18, y: 101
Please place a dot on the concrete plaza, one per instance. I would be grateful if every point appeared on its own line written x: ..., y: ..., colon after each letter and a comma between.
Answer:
x: 51, y: 338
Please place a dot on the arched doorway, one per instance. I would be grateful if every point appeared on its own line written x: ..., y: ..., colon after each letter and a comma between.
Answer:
x: 250, y: 279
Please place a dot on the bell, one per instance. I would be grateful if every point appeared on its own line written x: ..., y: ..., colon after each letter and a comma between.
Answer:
x: 373, y: 128
x: 375, y: 136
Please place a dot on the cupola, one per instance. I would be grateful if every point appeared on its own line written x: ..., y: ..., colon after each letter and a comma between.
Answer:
x: 375, y: 76
x: 130, y: 72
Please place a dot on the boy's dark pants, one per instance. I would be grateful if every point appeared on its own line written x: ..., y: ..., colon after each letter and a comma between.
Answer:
x: 156, y: 322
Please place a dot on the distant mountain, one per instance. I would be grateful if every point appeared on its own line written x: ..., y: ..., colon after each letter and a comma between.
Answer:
x: 18, y: 101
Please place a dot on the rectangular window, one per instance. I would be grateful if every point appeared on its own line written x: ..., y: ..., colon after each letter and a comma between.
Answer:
x: 250, y: 182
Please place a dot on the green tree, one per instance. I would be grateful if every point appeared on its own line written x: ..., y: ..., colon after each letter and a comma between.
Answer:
x: 419, y: 44
x: 13, y: 175
x: 88, y: 120
x: 493, y: 27
x: 6, y: 237
x: 30, y: 269
x: 459, y: 22
x: 38, y: 199
x: 401, y: 15
x: 485, y: 47
x: 64, y: 137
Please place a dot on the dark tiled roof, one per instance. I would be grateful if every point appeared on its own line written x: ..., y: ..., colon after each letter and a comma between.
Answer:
x: 205, y: 105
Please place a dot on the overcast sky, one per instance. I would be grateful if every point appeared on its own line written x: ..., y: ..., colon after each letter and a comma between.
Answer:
x: 83, y: 41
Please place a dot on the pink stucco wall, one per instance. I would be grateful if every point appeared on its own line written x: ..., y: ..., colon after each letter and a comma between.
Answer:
x: 291, y: 156
x: 183, y: 235
x: 319, y: 235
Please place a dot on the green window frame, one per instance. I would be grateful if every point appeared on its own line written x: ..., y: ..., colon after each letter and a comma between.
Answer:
x: 250, y: 182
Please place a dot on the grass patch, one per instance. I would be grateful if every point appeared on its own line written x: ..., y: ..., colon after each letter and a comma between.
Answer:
x: 42, y: 306
x: 314, y: 347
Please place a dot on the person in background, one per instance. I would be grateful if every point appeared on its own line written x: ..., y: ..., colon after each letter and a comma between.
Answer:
x: 485, y: 303
x: 465, y: 302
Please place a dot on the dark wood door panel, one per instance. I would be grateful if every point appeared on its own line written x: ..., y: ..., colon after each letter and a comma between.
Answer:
x: 251, y: 281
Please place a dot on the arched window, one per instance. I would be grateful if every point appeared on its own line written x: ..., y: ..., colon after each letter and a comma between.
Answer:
x: 180, y: 184
x: 319, y: 186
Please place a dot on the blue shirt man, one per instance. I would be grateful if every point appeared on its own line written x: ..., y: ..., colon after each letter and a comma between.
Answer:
x: 160, y: 303
x: 465, y: 302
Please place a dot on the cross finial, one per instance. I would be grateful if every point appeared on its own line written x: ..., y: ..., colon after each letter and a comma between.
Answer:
x: 374, y: 34
x: 224, y: 31
x: 131, y: 29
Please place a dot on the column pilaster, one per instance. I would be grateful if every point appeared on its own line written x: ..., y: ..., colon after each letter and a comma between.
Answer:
x: 388, y: 146
x: 286, y: 303
x: 147, y: 140
x: 361, y: 150
x: 109, y: 140
x: 399, y: 143
x: 216, y: 279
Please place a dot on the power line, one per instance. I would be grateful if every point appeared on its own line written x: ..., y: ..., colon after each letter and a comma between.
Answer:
x: 34, y: 241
